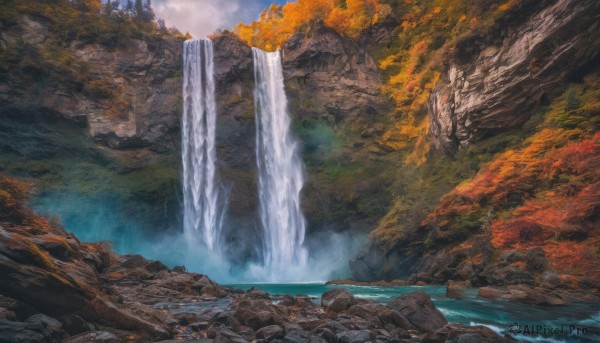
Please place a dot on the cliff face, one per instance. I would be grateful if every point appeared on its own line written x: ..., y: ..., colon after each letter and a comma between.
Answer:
x: 129, y: 108
x: 329, y: 77
x: 236, y: 143
x: 495, y: 79
x: 521, y: 96
x: 135, y: 101
x: 329, y: 80
x: 96, y: 121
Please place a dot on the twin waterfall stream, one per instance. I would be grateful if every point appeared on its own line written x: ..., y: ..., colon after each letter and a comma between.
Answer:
x: 202, y: 217
x: 280, y: 168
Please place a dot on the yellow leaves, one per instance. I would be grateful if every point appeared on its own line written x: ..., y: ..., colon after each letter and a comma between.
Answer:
x: 277, y: 24
x: 388, y: 61
x: 507, y: 5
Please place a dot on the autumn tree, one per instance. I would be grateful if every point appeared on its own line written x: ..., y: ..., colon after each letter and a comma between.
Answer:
x: 277, y: 24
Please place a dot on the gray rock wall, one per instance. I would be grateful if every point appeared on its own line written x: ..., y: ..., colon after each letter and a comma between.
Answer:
x: 495, y: 79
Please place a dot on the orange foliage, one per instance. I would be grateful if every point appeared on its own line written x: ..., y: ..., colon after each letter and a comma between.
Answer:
x: 12, y: 204
x: 277, y: 24
x: 547, y: 194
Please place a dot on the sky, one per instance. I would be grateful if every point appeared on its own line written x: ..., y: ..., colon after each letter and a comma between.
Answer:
x: 203, y: 17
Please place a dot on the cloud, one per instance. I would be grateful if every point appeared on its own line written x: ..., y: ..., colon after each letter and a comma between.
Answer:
x: 203, y: 17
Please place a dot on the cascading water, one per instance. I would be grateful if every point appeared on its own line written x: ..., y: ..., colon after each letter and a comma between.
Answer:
x: 280, y: 171
x: 203, y: 214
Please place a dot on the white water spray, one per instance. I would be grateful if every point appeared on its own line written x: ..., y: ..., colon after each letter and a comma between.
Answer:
x: 280, y: 171
x: 203, y: 212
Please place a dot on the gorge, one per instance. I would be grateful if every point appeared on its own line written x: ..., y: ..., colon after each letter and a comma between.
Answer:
x: 444, y: 146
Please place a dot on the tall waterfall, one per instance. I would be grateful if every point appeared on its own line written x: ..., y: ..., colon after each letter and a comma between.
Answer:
x: 280, y: 170
x: 202, y: 208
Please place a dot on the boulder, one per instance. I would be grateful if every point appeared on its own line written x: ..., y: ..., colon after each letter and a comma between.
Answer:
x: 16, y: 332
x: 51, y: 328
x: 456, y: 289
x: 269, y: 332
x: 523, y: 294
x: 355, y: 336
x: 224, y: 335
x: 464, y: 334
x: 418, y: 308
x: 337, y: 300
x: 96, y: 336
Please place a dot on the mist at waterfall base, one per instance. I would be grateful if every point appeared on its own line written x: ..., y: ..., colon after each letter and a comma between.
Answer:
x: 93, y: 213
x: 98, y: 219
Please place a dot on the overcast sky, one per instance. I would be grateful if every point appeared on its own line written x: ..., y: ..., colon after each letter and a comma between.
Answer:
x: 202, y: 17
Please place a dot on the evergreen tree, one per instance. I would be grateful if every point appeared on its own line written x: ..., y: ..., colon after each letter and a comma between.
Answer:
x: 139, y: 10
x: 129, y: 6
x: 148, y: 12
x: 108, y: 8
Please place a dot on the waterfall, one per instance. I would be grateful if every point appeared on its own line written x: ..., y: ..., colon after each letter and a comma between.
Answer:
x: 280, y: 170
x: 203, y: 212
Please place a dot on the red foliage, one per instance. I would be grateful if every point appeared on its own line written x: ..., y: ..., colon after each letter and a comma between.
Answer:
x: 546, y: 194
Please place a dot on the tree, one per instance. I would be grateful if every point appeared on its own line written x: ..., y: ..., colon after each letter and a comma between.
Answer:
x: 162, y: 26
x: 129, y: 6
x: 88, y: 6
x: 143, y: 11
x: 110, y: 7
x: 148, y: 12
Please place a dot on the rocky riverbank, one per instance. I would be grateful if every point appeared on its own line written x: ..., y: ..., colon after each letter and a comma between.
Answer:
x: 55, y: 288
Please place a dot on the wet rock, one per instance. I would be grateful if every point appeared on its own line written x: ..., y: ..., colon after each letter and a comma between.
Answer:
x: 337, y: 300
x: 311, y: 323
x: 464, y: 334
x: 456, y: 289
x: 418, y: 308
x: 244, y: 331
x: 184, y: 318
x: 253, y: 310
x: 394, y: 318
x: 326, y: 334
x: 524, y: 294
x: 294, y: 336
x: 96, y: 336
x: 51, y: 328
x: 224, y: 335
x: 270, y: 332
x: 355, y: 336
x: 399, y: 334
x: 18, y: 333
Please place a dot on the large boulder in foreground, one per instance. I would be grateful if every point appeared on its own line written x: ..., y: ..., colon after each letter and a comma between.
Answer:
x: 418, y: 308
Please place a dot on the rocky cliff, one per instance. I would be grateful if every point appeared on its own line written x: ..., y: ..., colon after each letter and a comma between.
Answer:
x: 496, y: 78
x: 310, y: 64
x: 331, y: 78
x: 113, y: 105
x: 130, y: 100
x: 514, y: 98
x: 96, y: 118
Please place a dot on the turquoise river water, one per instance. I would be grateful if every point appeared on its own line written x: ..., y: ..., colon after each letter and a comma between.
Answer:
x: 498, y: 315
